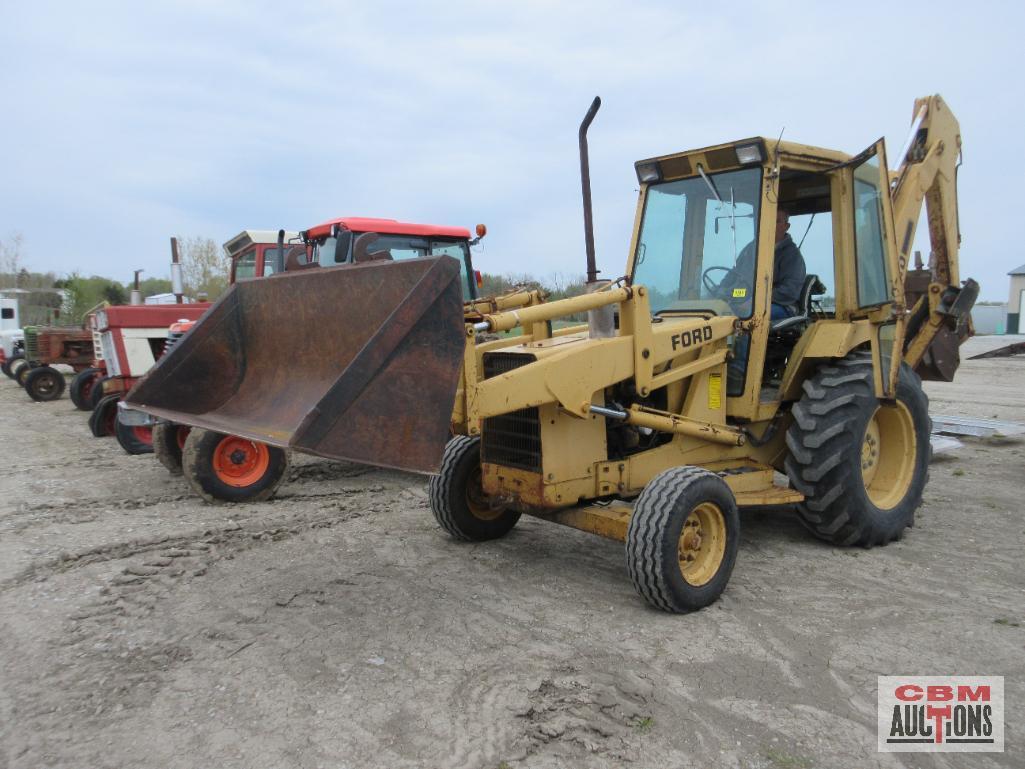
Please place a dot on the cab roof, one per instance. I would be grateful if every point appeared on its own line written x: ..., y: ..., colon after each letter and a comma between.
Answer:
x: 246, y: 238
x: 387, y: 226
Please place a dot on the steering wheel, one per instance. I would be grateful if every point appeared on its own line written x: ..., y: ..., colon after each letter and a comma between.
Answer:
x: 730, y: 296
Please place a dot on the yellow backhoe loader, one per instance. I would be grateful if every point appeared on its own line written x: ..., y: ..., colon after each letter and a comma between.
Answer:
x: 681, y: 397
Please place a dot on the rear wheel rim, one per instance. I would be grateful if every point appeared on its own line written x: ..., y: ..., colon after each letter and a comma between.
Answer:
x: 46, y: 385
x: 180, y: 435
x: 888, y: 453
x: 240, y: 462
x: 143, y: 434
x: 702, y: 545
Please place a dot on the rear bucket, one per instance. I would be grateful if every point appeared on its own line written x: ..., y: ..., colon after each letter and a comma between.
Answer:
x: 358, y: 362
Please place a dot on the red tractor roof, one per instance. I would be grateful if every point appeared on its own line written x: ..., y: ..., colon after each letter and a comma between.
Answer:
x: 388, y: 226
x: 152, y: 315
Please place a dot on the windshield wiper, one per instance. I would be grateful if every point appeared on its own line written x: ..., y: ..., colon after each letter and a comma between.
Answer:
x: 711, y: 184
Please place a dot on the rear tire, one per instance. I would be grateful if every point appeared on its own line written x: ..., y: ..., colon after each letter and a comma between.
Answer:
x: 168, y: 443
x: 44, y: 383
x: 227, y: 468
x: 133, y: 439
x: 683, y: 538
x: 457, y: 499
x: 81, y: 388
x: 22, y: 372
x: 861, y: 464
x: 8, y: 362
x: 103, y: 420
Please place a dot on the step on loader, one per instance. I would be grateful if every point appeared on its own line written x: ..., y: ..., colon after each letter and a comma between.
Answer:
x: 684, y: 394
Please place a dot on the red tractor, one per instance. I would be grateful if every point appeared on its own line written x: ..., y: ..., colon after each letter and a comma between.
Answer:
x: 228, y: 468
x: 131, y: 338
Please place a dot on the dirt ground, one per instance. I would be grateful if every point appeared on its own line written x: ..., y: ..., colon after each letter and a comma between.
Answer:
x: 335, y: 626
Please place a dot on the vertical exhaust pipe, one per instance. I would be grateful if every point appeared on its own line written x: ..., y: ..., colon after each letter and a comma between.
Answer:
x: 279, y: 259
x: 585, y: 184
x: 136, y: 296
x: 601, y: 322
x: 176, y: 273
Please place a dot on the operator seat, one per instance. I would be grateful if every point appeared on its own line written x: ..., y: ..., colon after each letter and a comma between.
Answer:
x: 784, y: 333
x: 812, y: 287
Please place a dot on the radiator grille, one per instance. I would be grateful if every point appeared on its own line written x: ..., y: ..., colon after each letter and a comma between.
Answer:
x: 513, y: 439
x: 31, y: 344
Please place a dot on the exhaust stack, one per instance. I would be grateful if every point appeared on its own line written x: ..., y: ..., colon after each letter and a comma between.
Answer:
x: 600, y: 322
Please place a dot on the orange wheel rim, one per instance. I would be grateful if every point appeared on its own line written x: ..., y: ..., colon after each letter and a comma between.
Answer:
x: 143, y: 433
x: 181, y: 434
x: 240, y: 462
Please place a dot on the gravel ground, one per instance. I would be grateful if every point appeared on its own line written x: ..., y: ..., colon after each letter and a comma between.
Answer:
x: 334, y: 626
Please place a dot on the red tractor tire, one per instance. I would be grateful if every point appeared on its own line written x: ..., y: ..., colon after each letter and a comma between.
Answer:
x: 134, y: 439
x: 228, y: 468
x: 81, y: 388
x: 168, y: 443
x: 103, y: 420
x: 96, y: 394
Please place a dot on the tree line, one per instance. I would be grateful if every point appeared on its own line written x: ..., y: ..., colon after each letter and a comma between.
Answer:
x: 65, y: 299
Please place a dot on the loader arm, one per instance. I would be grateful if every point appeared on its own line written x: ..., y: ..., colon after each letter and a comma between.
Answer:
x: 938, y: 302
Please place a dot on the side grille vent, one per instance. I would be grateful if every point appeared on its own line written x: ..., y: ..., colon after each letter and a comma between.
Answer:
x: 513, y: 439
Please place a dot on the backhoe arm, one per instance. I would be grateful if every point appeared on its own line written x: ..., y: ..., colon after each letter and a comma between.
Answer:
x: 939, y: 303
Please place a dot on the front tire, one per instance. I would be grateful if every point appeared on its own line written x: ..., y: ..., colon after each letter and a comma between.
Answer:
x: 81, y: 388
x: 861, y: 464
x: 44, y: 383
x: 134, y: 439
x: 103, y: 420
x: 457, y: 498
x: 21, y: 373
x: 8, y: 362
x: 682, y: 540
x: 168, y: 444
x: 228, y: 468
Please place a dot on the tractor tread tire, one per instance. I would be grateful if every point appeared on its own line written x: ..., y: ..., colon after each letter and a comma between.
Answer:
x: 824, y: 449
x: 447, y: 492
x: 21, y: 374
x: 197, y: 467
x: 78, y: 384
x: 98, y: 419
x: 129, y: 441
x: 8, y: 362
x: 652, y: 540
x: 40, y: 374
x: 166, y: 448
x: 96, y: 394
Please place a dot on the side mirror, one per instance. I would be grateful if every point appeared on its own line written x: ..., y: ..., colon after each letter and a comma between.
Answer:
x: 482, y: 230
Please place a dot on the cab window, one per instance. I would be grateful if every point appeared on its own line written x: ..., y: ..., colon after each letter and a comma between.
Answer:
x: 245, y: 265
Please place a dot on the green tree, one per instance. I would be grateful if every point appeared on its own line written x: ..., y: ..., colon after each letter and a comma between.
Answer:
x: 206, y: 269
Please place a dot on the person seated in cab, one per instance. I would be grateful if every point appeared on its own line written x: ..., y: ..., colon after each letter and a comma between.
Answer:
x: 788, y: 271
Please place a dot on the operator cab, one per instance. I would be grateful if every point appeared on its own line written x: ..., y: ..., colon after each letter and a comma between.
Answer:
x: 707, y: 236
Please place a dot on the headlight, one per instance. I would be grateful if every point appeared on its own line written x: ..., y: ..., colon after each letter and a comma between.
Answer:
x: 648, y: 173
x: 749, y: 153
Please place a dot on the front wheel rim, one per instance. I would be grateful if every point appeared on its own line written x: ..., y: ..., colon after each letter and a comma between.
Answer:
x: 702, y: 544
x: 240, y: 462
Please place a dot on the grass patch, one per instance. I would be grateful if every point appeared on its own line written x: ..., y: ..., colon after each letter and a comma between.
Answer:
x: 1007, y: 622
x: 645, y: 724
x: 958, y: 472
x: 783, y: 760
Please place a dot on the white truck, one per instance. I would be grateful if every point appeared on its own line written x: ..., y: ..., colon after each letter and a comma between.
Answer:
x: 12, y: 338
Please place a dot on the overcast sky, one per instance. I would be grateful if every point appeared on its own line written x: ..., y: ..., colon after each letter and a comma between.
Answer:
x: 125, y: 123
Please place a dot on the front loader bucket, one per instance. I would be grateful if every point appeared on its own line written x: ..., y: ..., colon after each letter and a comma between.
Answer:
x: 358, y: 362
